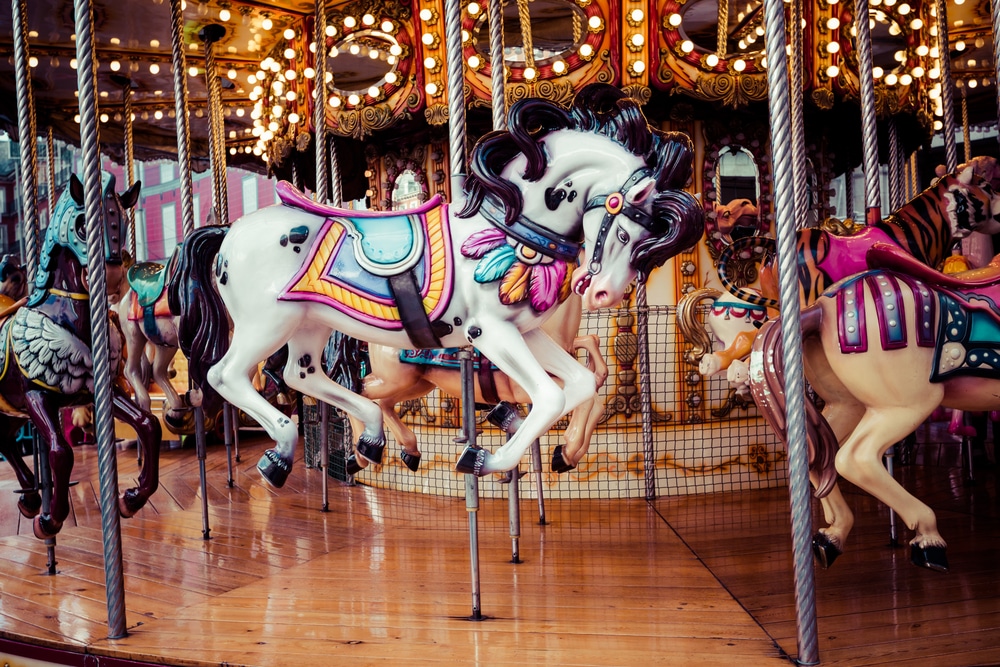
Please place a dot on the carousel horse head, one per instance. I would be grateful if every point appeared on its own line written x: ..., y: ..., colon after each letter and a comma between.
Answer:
x: 13, y: 281
x: 628, y: 204
x: 969, y: 202
x: 64, y: 251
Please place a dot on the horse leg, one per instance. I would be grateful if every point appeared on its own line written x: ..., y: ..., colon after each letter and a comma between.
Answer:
x: 302, y: 373
x: 162, y: 356
x: 579, y: 432
x: 860, y: 461
x: 405, y: 437
x: 231, y: 378
x: 528, y: 360
x: 135, y: 344
x: 45, y: 415
x: 30, y: 501
x: 149, y: 434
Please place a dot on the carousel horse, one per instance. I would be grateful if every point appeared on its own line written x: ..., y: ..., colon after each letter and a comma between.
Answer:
x: 48, y: 363
x: 884, y: 349
x: 402, y: 375
x: 596, y: 177
x: 927, y: 227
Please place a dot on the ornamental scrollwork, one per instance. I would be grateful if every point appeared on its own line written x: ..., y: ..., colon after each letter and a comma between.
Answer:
x: 359, y: 123
x: 732, y: 90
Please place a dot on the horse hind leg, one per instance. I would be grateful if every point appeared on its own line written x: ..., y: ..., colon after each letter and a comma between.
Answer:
x: 45, y: 415
x: 29, y: 504
x: 149, y: 433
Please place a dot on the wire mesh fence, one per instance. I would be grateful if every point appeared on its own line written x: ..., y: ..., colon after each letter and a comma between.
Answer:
x: 706, y: 436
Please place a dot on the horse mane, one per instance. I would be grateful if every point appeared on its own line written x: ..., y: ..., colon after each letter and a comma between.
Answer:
x: 598, y: 108
x: 679, y: 214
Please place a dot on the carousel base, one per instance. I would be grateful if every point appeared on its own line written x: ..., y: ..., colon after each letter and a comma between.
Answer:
x: 384, y: 577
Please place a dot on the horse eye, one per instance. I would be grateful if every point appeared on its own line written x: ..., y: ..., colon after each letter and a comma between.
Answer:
x: 622, y: 235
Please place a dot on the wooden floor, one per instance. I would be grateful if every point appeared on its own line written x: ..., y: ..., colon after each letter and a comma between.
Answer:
x: 384, y: 577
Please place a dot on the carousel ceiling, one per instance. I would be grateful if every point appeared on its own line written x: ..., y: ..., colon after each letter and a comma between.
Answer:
x: 385, y: 63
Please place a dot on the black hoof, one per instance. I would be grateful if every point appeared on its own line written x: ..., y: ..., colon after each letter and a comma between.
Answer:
x: 471, y: 461
x: 129, y: 503
x: 371, y: 449
x: 825, y: 550
x: 559, y: 464
x: 933, y: 558
x: 411, y: 461
x: 351, y: 465
x: 505, y: 417
x: 45, y: 527
x: 506, y: 477
x: 29, y: 504
x: 273, y: 469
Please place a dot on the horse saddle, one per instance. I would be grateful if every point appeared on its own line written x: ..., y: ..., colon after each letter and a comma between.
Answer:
x: 148, y: 281
x: 390, y: 270
x: 448, y: 358
x: 893, y: 258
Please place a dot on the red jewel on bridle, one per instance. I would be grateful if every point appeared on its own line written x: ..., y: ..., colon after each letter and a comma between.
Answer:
x: 614, y: 203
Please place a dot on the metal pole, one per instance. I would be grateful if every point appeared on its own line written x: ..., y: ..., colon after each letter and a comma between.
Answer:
x: 947, y: 91
x: 471, y: 481
x: 798, y: 123
x: 536, y: 464
x: 50, y: 149
x: 895, y: 168
x: 210, y: 34
x: 26, y: 137
x: 126, y: 85
x: 645, y: 392
x: 869, y: 130
x: 319, y: 113
x: 996, y: 54
x: 893, y: 533
x: 336, y: 187
x: 324, y: 452
x: 227, y: 430
x: 514, y: 511
x: 201, y: 450
x: 456, y: 93
x: 798, y: 461
x: 180, y: 109
x: 103, y: 417
x: 498, y: 68
x: 966, y: 134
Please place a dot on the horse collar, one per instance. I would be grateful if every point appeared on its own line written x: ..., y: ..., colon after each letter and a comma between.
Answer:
x: 614, y: 205
x: 532, y: 234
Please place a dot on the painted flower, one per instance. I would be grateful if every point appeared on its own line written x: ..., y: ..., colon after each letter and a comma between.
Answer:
x: 524, y: 273
x: 758, y: 458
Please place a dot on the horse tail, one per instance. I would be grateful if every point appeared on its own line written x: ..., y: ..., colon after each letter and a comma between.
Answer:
x: 691, y: 328
x: 768, y: 391
x: 739, y: 245
x: 203, y: 325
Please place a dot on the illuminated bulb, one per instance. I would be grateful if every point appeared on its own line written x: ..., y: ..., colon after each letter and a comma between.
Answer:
x: 267, y: 23
x: 894, y: 30
x: 224, y: 15
x: 972, y: 83
x: 158, y: 115
x: 899, y: 56
x: 396, y: 50
x: 833, y: 23
x: 328, y: 77
x: 240, y: 112
x: 350, y: 22
x: 289, y: 33
x: 289, y: 53
x: 290, y: 96
x: 272, y: 127
x: 193, y: 71
x: 916, y: 24
x: 430, y: 63
x: 674, y: 20
x: 353, y: 98
x: 712, y: 60
x: 267, y: 135
x: 833, y: 47
x: 763, y: 62
x: 427, y: 38
x: 559, y: 66
x: 832, y: 71
x: 594, y: 22
x: 636, y: 15
x: 391, y: 77
x: 905, y: 79
x: 639, y: 66
x: 529, y: 73
x: 355, y: 49
x: 104, y: 118
x: 431, y: 88
x: 373, y: 92
x: 637, y: 39
x: 76, y: 119
x: 426, y: 15
x: 903, y: 9
x: 960, y: 45
x: 387, y: 26
x: 331, y: 30
x: 938, y: 124
x: 277, y: 110
x: 739, y: 65
x: 293, y: 118
x: 154, y: 68
x: 309, y: 73
x: 368, y: 19
x: 290, y: 74
x: 115, y: 41
x: 373, y: 54
x: 32, y: 61
x: 231, y: 73
x: 232, y: 150
x: 474, y: 8
x: 891, y: 79
x: 877, y: 72
x: 687, y: 46
x: 114, y: 65
x: 922, y: 50
x: 586, y: 51
x: 474, y: 62
x: 335, y: 102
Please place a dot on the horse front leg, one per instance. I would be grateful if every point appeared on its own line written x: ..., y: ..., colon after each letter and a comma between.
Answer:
x: 29, y: 504
x: 528, y: 360
x: 149, y: 433
x: 45, y: 416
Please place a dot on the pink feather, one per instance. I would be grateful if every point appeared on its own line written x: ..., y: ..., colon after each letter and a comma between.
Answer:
x: 482, y: 242
x: 546, y: 279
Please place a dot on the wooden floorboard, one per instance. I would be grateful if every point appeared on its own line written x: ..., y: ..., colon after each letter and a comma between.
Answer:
x: 384, y: 576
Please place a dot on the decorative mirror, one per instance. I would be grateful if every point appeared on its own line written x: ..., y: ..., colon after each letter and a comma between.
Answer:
x: 737, y: 193
x: 408, y: 192
x: 744, y: 31
x: 558, y: 28
x: 363, y: 61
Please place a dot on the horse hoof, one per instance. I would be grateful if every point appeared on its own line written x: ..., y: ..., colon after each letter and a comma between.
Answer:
x: 129, y: 503
x: 471, y: 461
x: 273, y: 468
x: 825, y: 550
x: 45, y: 528
x: 370, y: 449
x: 351, y: 465
x: 505, y: 417
x: 411, y: 461
x: 506, y: 477
x: 559, y: 464
x: 29, y: 504
x: 933, y: 558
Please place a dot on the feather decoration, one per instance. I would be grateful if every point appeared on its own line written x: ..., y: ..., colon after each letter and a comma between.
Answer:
x: 567, y: 286
x: 514, y: 286
x: 494, y: 264
x: 546, y: 280
x: 482, y: 242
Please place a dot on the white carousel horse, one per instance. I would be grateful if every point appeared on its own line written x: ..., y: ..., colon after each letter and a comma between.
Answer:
x: 403, y: 375
x: 596, y: 175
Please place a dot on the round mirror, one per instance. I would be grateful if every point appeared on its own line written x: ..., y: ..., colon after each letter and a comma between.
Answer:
x: 744, y: 27
x: 558, y: 27
x: 362, y: 60
x: 888, y: 41
x: 407, y: 192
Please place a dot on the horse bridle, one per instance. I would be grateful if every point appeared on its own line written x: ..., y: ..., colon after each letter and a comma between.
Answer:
x: 614, y: 205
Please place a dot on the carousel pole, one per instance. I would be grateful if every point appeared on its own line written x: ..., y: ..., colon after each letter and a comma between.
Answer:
x: 103, y: 418
x: 798, y: 463
x: 645, y: 393
x: 895, y: 167
x: 126, y: 85
x: 966, y: 131
x: 456, y: 143
x: 995, y: 14
x: 869, y: 129
x: 499, y: 98
x: 50, y: 150
x: 798, y: 123
x: 947, y: 90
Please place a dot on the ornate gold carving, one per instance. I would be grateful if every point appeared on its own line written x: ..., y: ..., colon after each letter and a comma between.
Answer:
x: 559, y: 91
x: 638, y: 92
x: 823, y: 98
x: 358, y: 123
x: 436, y: 114
x: 732, y: 90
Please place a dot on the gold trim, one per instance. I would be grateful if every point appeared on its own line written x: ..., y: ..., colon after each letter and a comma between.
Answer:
x: 79, y: 296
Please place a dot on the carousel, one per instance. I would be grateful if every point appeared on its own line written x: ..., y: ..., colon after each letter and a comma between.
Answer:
x: 577, y: 332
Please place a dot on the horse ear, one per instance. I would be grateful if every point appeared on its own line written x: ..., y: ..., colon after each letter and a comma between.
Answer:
x: 131, y: 196
x: 965, y: 176
x: 76, y: 189
x: 641, y: 191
